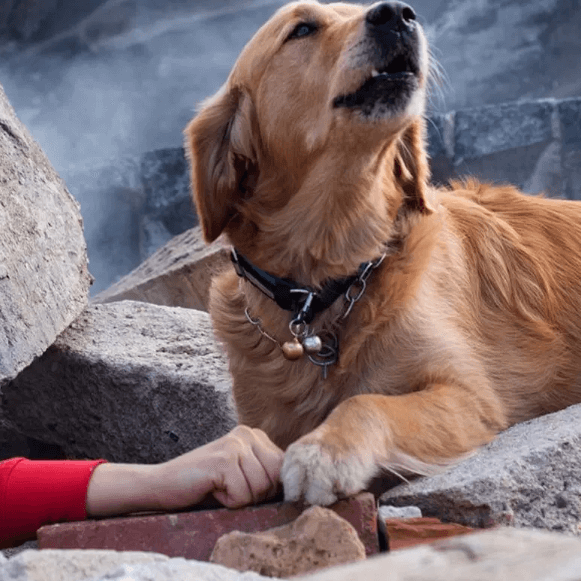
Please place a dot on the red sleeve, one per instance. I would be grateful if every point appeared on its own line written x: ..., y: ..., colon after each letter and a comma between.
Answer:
x: 38, y: 492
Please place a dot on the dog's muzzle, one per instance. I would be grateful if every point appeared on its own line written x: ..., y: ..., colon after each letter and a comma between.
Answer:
x: 393, y: 52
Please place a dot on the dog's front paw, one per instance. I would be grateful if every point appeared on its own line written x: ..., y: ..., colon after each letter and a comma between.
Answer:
x: 319, y: 471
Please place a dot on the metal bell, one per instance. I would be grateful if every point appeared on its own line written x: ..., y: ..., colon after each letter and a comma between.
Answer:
x: 312, y: 344
x: 292, y: 350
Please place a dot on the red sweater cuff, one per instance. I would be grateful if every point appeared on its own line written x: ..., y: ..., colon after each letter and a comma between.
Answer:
x: 38, y: 492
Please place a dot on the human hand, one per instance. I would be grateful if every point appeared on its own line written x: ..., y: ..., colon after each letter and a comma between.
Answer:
x: 240, y: 468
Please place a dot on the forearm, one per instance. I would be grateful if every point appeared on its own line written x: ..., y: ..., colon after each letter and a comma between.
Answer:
x: 122, y: 488
x: 126, y: 488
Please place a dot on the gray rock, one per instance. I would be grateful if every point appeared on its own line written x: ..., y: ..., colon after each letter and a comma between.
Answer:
x: 44, y: 279
x: 493, y: 52
x: 94, y: 565
x: 497, y: 555
x: 399, y: 512
x: 570, y: 124
x: 528, y: 476
x: 178, y: 570
x: 177, y: 275
x: 14, y: 443
x: 129, y: 382
x: 57, y: 565
x: 487, y: 130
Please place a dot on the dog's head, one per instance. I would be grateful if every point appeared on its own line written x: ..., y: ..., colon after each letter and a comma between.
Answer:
x: 320, y: 95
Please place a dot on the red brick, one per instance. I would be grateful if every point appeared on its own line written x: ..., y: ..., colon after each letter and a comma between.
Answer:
x: 193, y: 534
x: 403, y: 533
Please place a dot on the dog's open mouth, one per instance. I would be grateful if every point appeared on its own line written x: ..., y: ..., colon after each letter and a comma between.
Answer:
x: 390, y: 85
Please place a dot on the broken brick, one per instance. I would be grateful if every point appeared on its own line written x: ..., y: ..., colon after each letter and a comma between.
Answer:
x: 403, y: 533
x: 193, y: 534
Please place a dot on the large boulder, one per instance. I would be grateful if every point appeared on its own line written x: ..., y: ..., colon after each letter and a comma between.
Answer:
x: 75, y: 565
x: 496, y: 555
x: 528, y: 477
x: 177, y: 275
x: 44, y: 279
x: 129, y: 382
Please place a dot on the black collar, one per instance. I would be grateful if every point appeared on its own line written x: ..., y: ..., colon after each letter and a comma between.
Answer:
x: 304, y: 302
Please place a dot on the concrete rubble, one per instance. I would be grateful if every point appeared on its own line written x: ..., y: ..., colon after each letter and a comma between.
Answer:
x: 141, y: 382
x: 527, y: 477
x: 177, y: 275
x: 130, y: 382
x: 497, y: 555
x: 44, y: 279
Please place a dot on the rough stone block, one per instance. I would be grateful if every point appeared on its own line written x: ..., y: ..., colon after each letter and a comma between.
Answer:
x: 57, y: 565
x: 44, y: 279
x: 319, y: 538
x: 177, y: 275
x: 528, y: 476
x: 529, y: 168
x: 496, y: 555
x: 193, y: 534
x: 33, y: 565
x: 497, y: 128
x: 129, y: 382
x: 570, y: 125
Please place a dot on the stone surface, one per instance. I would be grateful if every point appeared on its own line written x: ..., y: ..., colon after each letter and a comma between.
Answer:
x: 528, y: 476
x: 319, y: 538
x: 409, y: 532
x: 178, y: 274
x: 44, y: 279
x: 570, y: 124
x: 487, y: 130
x: 34, y: 565
x: 400, y: 512
x: 129, y: 382
x: 177, y: 570
x: 57, y: 565
x: 492, y: 52
x: 500, y: 555
x: 193, y: 534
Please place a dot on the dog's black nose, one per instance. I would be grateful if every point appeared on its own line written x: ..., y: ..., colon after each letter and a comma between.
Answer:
x: 391, y: 16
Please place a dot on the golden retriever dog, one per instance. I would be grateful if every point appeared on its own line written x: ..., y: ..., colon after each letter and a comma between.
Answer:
x: 373, y: 322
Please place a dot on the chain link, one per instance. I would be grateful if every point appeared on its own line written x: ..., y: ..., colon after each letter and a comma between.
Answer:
x: 330, y: 352
x: 358, y: 286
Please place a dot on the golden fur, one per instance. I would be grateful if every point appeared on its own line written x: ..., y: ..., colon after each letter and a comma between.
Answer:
x: 471, y: 323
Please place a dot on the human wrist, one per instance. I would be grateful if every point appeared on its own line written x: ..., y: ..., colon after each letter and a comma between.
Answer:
x: 123, y: 488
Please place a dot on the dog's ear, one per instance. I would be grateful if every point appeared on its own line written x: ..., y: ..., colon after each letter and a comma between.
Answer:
x: 220, y: 146
x: 411, y: 169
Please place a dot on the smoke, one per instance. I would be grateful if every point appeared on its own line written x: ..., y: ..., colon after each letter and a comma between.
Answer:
x: 125, y: 80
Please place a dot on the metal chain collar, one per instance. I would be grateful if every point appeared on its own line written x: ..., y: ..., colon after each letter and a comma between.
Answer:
x: 327, y: 342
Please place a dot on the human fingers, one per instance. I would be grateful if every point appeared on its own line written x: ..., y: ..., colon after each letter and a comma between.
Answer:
x: 252, y: 474
x: 270, y: 457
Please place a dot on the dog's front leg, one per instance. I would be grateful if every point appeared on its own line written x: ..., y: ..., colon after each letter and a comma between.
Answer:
x: 415, y: 433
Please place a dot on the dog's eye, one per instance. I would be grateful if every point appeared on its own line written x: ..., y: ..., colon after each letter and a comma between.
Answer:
x: 302, y: 29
